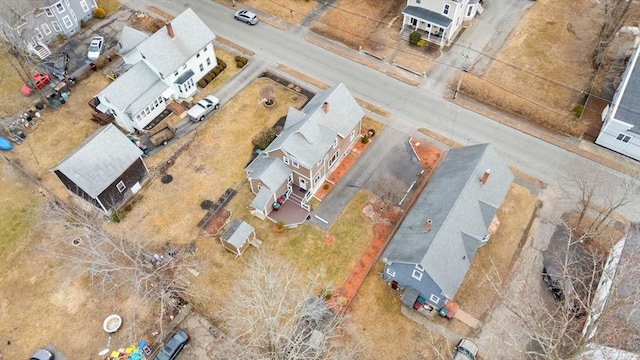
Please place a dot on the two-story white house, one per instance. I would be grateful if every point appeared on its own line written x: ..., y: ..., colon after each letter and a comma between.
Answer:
x: 620, y: 130
x: 166, y: 66
x: 32, y: 24
x: 438, y: 21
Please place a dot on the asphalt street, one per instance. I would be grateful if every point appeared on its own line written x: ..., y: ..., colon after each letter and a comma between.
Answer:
x: 412, y: 107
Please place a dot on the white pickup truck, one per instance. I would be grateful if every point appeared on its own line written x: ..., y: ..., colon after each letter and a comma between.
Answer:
x: 203, y: 108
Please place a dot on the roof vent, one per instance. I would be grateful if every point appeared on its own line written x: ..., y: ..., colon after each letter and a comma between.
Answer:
x: 485, y: 176
x: 427, y: 226
x: 325, y: 107
x: 170, y: 30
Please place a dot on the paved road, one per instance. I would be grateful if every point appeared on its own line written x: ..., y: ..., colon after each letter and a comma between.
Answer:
x: 412, y: 107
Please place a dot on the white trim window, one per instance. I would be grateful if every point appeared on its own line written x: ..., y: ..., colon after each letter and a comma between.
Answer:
x: 295, y: 163
x: 434, y: 299
x: 390, y: 272
x: 46, y: 29
x: 417, y: 274
x: 121, y: 186
x: 48, y: 12
x: 445, y: 10
x: 285, y: 160
x: 208, y: 61
x: 84, y: 6
x: 317, y: 178
x: 352, y: 135
x: 38, y: 34
x: 56, y: 26
x: 201, y: 67
x: 623, y: 137
x: 67, y: 21
x: 335, y: 143
x: 59, y: 7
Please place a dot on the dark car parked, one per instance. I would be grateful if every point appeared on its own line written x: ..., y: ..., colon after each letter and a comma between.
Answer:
x: 173, y: 346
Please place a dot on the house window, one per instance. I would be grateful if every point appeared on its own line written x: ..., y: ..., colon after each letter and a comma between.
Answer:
x: 469, y: 10
x: 201, y: 67
x: 417, y: 1
x: 38, y: 33
x: 198, y: 55
x: 352, y: 136
x: 334, y: 158
x: 290, y: 180
x: 295, y: 163
x: 285, y: 160
x: 445, y: 11
x: 46, y: 29
x: 391, y: 272
x: 84, y: 6
x: 315, y: 181
x: 335, y: 143
x: 417, y: 274
x: 208, y: 61
x: 60, y: 8
x: 434, y: 299
x: 419, y: 267
x: 56, y: 26
x: 175, y: 73
x: 624, y: 138
x: 67, y: 22
x: 121, y: 186
x: 48, y: 12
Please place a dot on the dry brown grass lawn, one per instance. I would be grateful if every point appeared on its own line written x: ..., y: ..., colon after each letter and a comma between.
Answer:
x: 476, y: 294
x: 545, y: 64
x: 213, y: 162
x: 39, y: 303
x: 110, y: 6
x: 10, y: 83
x: 354, y: 22
x: 385, y: 332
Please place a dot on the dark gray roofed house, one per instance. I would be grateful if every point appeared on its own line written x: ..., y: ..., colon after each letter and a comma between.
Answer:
x: 105, y: 170
x: 620, y: 130
x: 452, y: 217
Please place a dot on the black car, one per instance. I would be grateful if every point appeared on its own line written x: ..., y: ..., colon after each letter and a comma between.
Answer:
x: 173, y: 346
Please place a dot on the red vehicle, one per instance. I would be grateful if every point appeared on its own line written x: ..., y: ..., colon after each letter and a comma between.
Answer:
x: 38, y: 81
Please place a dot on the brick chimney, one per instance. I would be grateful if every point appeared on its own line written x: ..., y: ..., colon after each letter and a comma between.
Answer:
x: 485, y: 176
x: 170, y: 29
x: 325, y: 107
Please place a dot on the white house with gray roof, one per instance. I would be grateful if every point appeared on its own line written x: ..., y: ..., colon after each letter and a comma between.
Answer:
x: 32, y: 24
x: 105, y: 170
x: 432, y: 249
x: 438, y: 21
x: 311, y: 144
x: 620, y: 130
x: 167, y: 66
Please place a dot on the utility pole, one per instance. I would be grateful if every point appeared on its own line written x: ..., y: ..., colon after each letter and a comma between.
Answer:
x: 464, y: 70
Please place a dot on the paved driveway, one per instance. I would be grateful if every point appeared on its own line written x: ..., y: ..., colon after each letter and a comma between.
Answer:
x: 388, y: 156
x: 203, y: 337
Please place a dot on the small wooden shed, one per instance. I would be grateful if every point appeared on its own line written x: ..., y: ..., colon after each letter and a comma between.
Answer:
x: 238, y: 236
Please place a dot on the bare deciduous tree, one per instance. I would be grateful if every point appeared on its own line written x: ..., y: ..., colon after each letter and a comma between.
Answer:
x: 389, y: 188
x: 615, y: 15
x: 157, y: 276
x: 272, y: 313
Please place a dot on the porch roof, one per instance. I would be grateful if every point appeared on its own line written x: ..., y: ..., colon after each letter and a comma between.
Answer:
x: 427, y: 15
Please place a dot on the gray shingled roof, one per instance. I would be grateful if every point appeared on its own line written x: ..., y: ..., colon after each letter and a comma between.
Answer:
x: 427, y: 15
x: 135, y: 89
x: 262, y: 199
x: 461, y: 210
x: 130, y: 38
x: 100, y: 160
x: 237, y: 233
x: 271, y: 171
x: 628, y: 109
x: 309, y: 134
x: 168, y: 54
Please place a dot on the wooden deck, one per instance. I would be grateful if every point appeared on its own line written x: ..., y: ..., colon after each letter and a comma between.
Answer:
x: 291, y: 212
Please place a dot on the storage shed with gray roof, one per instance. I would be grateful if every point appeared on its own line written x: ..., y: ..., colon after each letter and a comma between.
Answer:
x: 452, y: 217
x: 105, y: 170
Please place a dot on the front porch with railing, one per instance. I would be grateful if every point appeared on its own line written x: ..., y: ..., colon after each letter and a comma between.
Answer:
x: 294, y: 210
x: 435, y: 39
